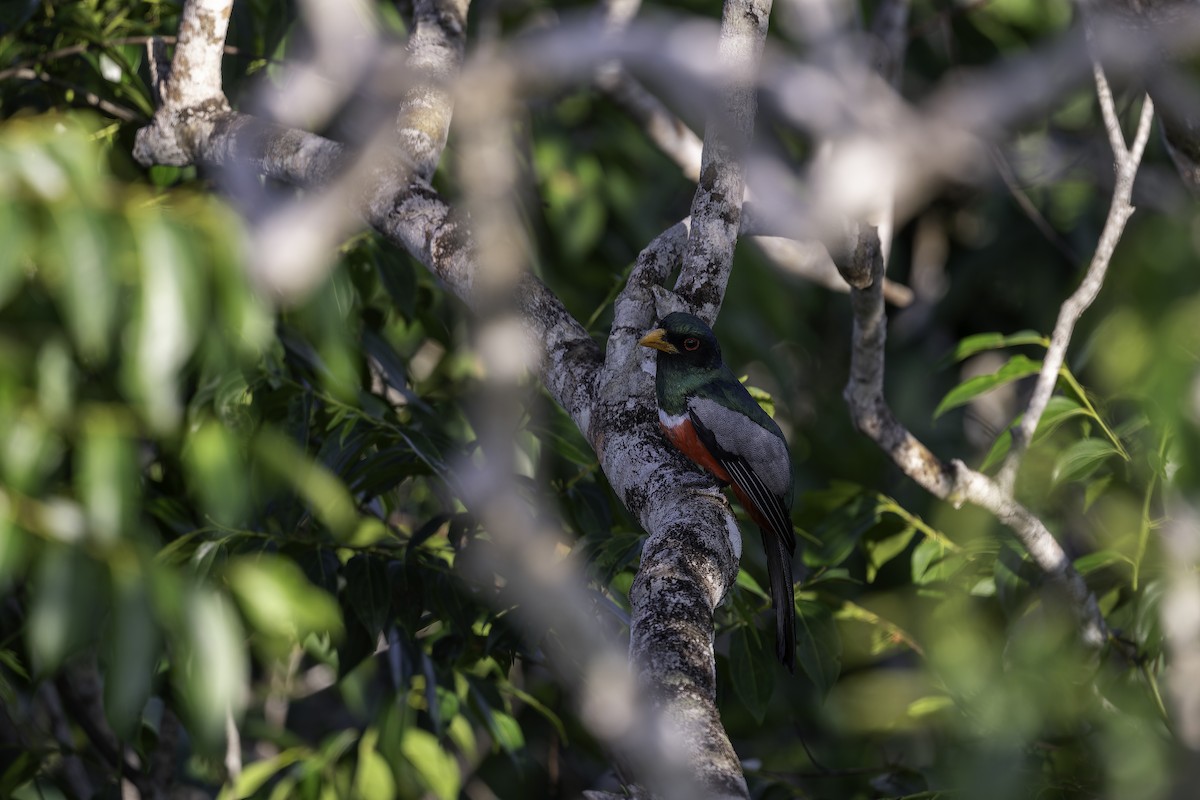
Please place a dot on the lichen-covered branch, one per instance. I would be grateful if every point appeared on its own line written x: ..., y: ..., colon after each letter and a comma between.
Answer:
x: 191, y: 94
x: 690, y: 559
x: 435, y: 50
x: 717, y: 203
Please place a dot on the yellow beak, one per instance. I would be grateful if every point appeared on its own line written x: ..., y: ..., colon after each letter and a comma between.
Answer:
x: 657, y: 339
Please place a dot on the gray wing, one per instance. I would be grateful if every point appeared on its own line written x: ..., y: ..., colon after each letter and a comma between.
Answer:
x: 756, y: 459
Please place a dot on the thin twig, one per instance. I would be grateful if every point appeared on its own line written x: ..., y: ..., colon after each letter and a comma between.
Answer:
x: 84, y: 47
x: 94, y: 100
x: 1119, y: 212
x: 1005, y: 170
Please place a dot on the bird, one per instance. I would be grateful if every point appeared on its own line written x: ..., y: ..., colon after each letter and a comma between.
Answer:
x: 708, y: 415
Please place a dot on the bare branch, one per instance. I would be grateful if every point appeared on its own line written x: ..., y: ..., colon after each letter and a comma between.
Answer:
x: 717, y: 204
x: 676, y: 140
x: 1072, y: 309
x: 890, y: 29
x: 953, y: 482
x: 91, y: 98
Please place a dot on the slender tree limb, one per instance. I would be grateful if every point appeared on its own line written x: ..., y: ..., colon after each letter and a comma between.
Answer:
x: 89, y: 97
x: 954, y: 481
x: 1126, y: 164
x: 717, y: 203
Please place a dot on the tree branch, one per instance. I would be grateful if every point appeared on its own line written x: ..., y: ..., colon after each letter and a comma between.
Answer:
x: 1126, y: 164
x: 954, y: 482
x: 435, y: 49
x: 717, y: 203
x: 691, y: 556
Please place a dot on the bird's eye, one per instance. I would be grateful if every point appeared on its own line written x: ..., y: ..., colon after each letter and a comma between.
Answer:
x: 691, y: 343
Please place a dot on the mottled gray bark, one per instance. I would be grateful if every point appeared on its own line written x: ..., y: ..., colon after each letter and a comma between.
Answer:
x: 435, y: 53
x: 717, y: 203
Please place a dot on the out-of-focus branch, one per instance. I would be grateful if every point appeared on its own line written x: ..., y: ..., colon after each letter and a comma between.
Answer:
x: 1181, y: 615
x: 435, y: 50
x: 717, y: 203
x: 806, y: 259
x: 953, y: 482
x: 1126, y: 161
x: 890, y: 29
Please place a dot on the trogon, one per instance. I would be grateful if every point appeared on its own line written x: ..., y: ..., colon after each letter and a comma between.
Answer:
x: 710, y: 417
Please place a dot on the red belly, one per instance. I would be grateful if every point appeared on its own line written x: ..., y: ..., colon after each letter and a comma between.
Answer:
x: 684, y: 437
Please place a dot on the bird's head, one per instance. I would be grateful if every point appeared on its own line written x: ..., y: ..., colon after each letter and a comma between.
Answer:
x: 684, y: 339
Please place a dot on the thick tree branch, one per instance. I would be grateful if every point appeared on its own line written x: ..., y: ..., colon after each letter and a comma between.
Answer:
x: 192, y: 98
x: 690, y: 559
x: 435, y: 49
x: 717, y: 203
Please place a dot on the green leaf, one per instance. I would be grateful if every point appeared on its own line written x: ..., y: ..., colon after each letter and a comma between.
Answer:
x: 818, y: 646
x: 437, y: 769
x: 107, y: 477
x: 1014, y: 369
x: 507, y: 731
x: 929, y: 705
x: 1098, y: 560
x: 1094, y: 489
x: 217, y: 472
x: 368, y: 592
x: 16, y: 232
x: 280, y: 602
x: 254, y: 776
x: 320, y: 488
x: 881, y: 551
x: 996, y: 341
x: 752, y: 670
x: 85, y: 283
x: 68, y: 594
x: 133, y: 650
x: 932, y: 561
x: 746, y: 581
x: 167, y: 323
x: 212, y: 669
x: 846, y: 512
x: 20, y: 771
x: 373, y: 777
x: 998, y: 450
x: 1080, y: 459
x: 1058, y: 410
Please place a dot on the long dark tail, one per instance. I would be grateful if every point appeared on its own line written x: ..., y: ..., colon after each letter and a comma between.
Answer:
x: 783, y: 596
